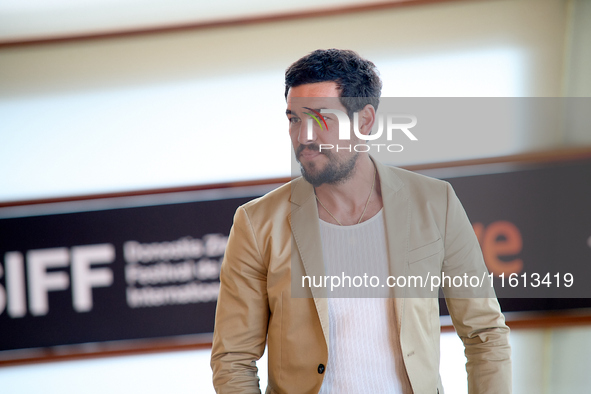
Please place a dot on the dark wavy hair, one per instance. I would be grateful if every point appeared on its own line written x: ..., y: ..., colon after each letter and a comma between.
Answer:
x: 356, y: 77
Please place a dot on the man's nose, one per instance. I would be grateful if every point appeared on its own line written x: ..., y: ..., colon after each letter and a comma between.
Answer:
x: 308, y: 132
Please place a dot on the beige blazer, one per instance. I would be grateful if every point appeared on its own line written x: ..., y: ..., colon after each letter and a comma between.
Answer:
x: 277, y: 237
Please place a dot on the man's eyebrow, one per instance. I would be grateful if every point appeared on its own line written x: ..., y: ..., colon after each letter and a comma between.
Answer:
x: 316, y: 109
x: 290, y: 112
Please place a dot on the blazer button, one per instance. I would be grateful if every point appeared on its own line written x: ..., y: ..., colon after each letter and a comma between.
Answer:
x: 321, y: 368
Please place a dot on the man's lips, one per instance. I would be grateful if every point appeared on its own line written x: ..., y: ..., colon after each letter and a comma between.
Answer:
x: 309, y: 153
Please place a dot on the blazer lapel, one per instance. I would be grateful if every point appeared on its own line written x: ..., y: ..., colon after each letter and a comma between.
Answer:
x: 395, y: 198
x: 306, y: 234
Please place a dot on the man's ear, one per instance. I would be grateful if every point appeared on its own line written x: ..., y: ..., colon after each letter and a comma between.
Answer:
x: 367, y: 117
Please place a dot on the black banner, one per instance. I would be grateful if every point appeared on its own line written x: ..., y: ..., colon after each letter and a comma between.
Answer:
x: 148, y: 267
x: 534, y: 228
x: 112, y: 274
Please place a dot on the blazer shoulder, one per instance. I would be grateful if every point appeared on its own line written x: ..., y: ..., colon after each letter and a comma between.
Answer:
x: 417, y: 183
x: 275, y: 200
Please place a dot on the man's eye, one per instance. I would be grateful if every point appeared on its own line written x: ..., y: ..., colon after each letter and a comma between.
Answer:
x: 294, y: 120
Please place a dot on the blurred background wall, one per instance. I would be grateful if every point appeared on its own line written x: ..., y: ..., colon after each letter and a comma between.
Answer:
x: 144, y: 111
x: 128, y: 112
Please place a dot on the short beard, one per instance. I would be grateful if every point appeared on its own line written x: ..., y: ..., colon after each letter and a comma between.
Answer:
x: 333, y: 174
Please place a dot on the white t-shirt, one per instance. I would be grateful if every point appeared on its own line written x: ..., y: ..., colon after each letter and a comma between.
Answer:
x: 364, y: 353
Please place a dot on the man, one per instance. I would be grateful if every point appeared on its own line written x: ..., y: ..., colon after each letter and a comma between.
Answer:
x: 353, y: 212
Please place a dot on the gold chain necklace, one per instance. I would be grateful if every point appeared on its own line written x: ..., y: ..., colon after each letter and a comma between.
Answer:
x: 366, y: 204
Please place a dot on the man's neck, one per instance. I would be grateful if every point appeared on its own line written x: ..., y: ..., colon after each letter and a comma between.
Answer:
x: 349, y: 202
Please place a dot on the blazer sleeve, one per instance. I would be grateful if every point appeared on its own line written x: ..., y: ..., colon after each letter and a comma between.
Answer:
x: 475, y: 313
x: 242, y: 312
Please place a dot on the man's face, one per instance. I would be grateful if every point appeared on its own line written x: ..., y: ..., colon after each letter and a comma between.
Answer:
x: 326, y: 166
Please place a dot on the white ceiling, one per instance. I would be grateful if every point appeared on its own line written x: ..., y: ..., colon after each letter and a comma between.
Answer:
x: 34, y: 19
